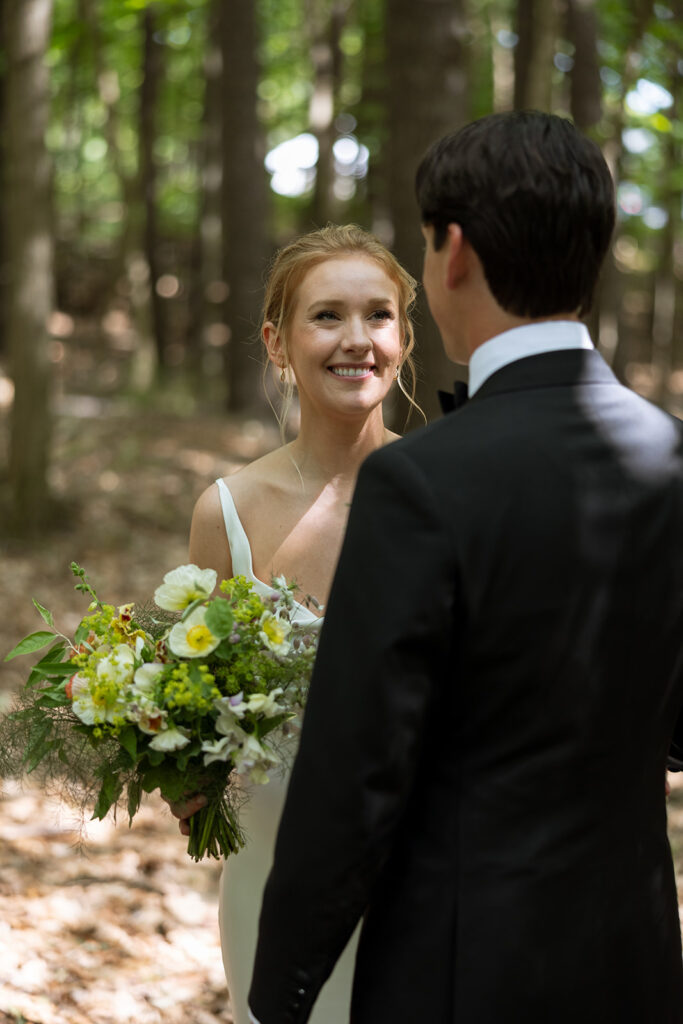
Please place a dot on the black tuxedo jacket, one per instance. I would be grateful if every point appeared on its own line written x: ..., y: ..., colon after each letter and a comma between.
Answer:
x: 482, y: 764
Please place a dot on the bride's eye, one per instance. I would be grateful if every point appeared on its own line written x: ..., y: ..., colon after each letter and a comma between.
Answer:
x: 326, y: 314
x: 382, y: 314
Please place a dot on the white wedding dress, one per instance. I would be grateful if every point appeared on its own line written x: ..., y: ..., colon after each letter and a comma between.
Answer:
x: 244, y: 874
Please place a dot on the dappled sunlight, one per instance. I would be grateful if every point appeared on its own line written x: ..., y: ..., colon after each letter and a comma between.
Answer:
x: 108, y: 926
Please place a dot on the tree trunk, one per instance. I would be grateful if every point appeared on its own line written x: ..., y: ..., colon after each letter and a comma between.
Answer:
x: 326, y: 26
x: 536, y: 29
x: 148, y: 174
x: 208, y: 334
x: 585, y: 96
x: 244, y: 206
x: 29, y: 254
x: 427, y: 97
x: 4, y: 269
x: 613, y: 341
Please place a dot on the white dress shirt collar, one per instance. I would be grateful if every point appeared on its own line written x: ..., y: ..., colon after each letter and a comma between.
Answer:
x: 520, y: 342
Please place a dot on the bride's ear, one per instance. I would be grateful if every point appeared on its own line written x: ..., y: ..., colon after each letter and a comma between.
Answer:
x: 273, y: 343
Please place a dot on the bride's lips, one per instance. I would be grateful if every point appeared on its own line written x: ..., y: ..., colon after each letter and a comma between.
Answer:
x: 352, y: 371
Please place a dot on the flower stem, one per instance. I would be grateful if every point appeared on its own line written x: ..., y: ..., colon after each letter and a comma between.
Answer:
x: 214, y: 832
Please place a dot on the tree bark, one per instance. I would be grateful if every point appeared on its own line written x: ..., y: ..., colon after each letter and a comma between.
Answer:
x: 148, y: 174
x: 426, y: 76
x: 326, y: 26
x: 29, y: 255
x: 244, y: 206
x: 585, y: 95
x: 208, y: 330
x: 536, y: 29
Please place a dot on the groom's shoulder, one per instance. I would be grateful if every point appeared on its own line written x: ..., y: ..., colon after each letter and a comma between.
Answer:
x: 445, y: 440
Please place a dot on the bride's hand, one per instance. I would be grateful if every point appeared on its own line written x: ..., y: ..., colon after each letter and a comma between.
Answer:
x: 184, y: 809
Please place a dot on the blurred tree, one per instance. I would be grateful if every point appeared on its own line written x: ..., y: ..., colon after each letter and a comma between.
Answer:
x: 325, y: 20
x: 586, y: 87
x: 29, y: 254
x: 209, y: 288
x: 148, y: 136
x: 427, y: 96
x: 536, y: 29
x: 244, y: 205
x: 3, y: 262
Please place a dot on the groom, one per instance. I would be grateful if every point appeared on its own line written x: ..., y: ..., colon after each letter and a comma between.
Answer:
x: 481, y: 771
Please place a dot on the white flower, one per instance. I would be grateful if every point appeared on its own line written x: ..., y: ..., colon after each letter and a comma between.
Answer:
x: 146, y: 676
x: 117, y: 667
x: 253, y: 759
x: 192, y: 638
x: 184, y: 585
x: 274, y: 632
x: 221, y: 750
x: 266, y: 704
x: 170, y: 739
x: 231, y: 709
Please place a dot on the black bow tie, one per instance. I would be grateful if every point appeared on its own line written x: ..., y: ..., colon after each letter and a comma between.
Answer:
x: 452, y: 402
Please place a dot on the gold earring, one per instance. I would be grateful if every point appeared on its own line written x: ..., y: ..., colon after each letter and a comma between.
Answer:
x: 282, y: 375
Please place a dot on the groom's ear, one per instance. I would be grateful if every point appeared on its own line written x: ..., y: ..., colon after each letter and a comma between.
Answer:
x: 457, y: 256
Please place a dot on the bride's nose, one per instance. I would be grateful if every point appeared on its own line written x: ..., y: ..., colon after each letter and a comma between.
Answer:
x: 355, y: 336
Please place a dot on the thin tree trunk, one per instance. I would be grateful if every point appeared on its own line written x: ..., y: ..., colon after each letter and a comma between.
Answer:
x: 585, y: 86
x: 208, y: 334
x: 613, y: 342
x: 4, y: 269
x: 244, y: 206
x: 148, y: 174
x: 29, y: 254
x: 327, y: 25
x: 536, y: 24
x: 427, y: 97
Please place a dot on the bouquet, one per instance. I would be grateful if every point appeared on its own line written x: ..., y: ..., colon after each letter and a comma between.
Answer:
x: 180, y: 698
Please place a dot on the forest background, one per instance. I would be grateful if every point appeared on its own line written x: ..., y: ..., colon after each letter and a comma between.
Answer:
x: 153, y: 156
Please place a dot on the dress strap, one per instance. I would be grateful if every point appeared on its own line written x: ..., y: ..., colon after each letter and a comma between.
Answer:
x: 240, y: 550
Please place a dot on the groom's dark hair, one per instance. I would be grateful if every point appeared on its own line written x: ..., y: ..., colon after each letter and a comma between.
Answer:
x: 534, y: 198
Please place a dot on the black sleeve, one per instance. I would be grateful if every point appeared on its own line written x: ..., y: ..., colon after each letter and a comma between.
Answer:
x: 387, y: 637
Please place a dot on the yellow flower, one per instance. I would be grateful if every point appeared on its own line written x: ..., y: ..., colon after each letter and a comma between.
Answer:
x: 192, y: 638
x: 274, y: 632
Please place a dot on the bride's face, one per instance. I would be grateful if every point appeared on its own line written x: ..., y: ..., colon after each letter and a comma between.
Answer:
x: 344, y: 337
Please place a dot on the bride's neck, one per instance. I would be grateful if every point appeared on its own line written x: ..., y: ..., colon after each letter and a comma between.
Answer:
x: 333, y: 450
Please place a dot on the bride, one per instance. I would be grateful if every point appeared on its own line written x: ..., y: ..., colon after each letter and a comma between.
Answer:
x: 336, y: 324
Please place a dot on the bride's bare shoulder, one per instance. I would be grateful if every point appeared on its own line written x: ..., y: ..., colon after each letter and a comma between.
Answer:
x: 249, y: 487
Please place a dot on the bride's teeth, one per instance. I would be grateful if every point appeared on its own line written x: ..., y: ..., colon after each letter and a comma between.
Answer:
x: 350, y: 371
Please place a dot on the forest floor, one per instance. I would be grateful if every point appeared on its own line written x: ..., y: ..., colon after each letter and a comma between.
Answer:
x: 114, y: 924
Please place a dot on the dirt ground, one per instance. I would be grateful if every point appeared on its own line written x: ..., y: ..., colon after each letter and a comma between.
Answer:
x: 117, y: 924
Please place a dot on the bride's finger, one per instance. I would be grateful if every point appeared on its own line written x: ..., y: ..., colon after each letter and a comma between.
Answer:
x: 186, y: 808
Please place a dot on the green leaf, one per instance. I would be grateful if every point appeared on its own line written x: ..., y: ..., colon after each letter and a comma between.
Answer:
x: 134, y: 798
x: 129, y: 741
x: 219, y: 617
x: 38, y: 747
x: 32, y: 642
x: 55, y: 668
x: 45, y: 614
x: 81, y: 633
x: 266, y: 725
x: 109, y: 794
